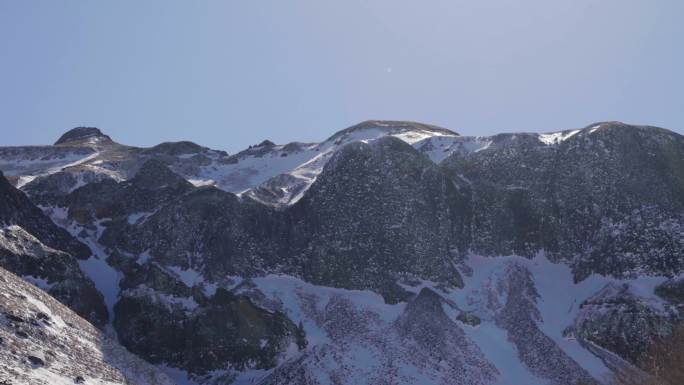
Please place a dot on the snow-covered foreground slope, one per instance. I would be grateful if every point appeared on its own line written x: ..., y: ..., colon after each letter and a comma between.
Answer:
x: 42, y: 342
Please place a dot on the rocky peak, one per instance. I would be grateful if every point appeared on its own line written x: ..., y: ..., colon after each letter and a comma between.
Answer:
x: 154, y: 174
x: 176, y: 148
x: 266, y: 143
x: 80, y: 134
x: 397, y: 125
x: 390, y: 127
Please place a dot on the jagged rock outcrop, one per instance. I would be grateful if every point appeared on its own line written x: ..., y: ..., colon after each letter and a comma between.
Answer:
x: 201, y: 333
x: 622, y: 322
x: 153, y: 185
x: 32, y: 246
x: 42, y: 342
x: 51, y: 190
x: 206, y: 229
x: 17, y: 209
x: 54, y: 271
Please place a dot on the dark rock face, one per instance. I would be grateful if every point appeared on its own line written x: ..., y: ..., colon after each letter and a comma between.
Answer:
x: 31, y: 245
x: 223, y: 332
x: 175, y: 148
x: 610, y: 198
x: 80, y: 134
x: 621, y: 322
x: 398, y: 220
x: 57, y: 272
x: 208, y: 230
x: 17, y: 209
x: 672, y: 290
x: 52, y: 189
x: 377, y: 214
x: 153, y: 185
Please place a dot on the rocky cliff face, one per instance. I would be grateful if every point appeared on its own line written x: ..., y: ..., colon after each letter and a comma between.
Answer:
x: 607, y: 198
x: 17, y: 209
x: 392, y: 251
x: 33, y: 247
x: 54, y: 271
x: 379, y: 214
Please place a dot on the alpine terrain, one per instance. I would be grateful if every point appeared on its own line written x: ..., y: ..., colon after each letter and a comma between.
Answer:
x: 390, y: 253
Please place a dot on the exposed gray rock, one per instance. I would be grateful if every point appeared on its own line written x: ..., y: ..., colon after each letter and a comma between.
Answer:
x: 81, y: 134
x: 514, y: 302
x: 609, y: 198
x: 422, y: 345
x: 54, y: 271
x: 227, y: 332
x: 620, y: 321
x: 58, y: 346
x: 379, y: 213
x: 17, y: 209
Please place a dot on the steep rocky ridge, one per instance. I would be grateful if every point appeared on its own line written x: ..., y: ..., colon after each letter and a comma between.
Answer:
x: 44, y: 343
x: 17, y: 209
x: 54, y: 271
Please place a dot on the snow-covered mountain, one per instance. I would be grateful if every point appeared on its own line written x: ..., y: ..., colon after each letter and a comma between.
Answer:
x: 389, y: 253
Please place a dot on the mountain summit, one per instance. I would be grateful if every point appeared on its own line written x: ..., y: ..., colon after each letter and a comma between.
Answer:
x: 80, y: 135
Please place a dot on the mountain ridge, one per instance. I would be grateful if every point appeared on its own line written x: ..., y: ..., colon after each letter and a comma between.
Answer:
x: 333, y: 244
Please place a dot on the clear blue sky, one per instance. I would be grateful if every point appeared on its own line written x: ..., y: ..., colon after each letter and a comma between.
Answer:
x: 230, y: 73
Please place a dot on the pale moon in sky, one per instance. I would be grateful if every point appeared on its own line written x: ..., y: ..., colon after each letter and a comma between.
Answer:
x: 389, y: 70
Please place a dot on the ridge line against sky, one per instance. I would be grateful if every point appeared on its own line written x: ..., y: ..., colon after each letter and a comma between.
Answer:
x: 230, y: 74
x: 257, y: 141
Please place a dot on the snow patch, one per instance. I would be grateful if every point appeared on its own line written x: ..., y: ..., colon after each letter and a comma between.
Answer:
x: 557, y: 137
x: 189, y: 277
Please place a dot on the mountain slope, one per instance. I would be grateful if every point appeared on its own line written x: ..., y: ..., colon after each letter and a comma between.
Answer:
x: 33, y: 247
x: 44, y: 343
x: 608, y: 198
x: 392, y: 252
x: 17, y: 209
